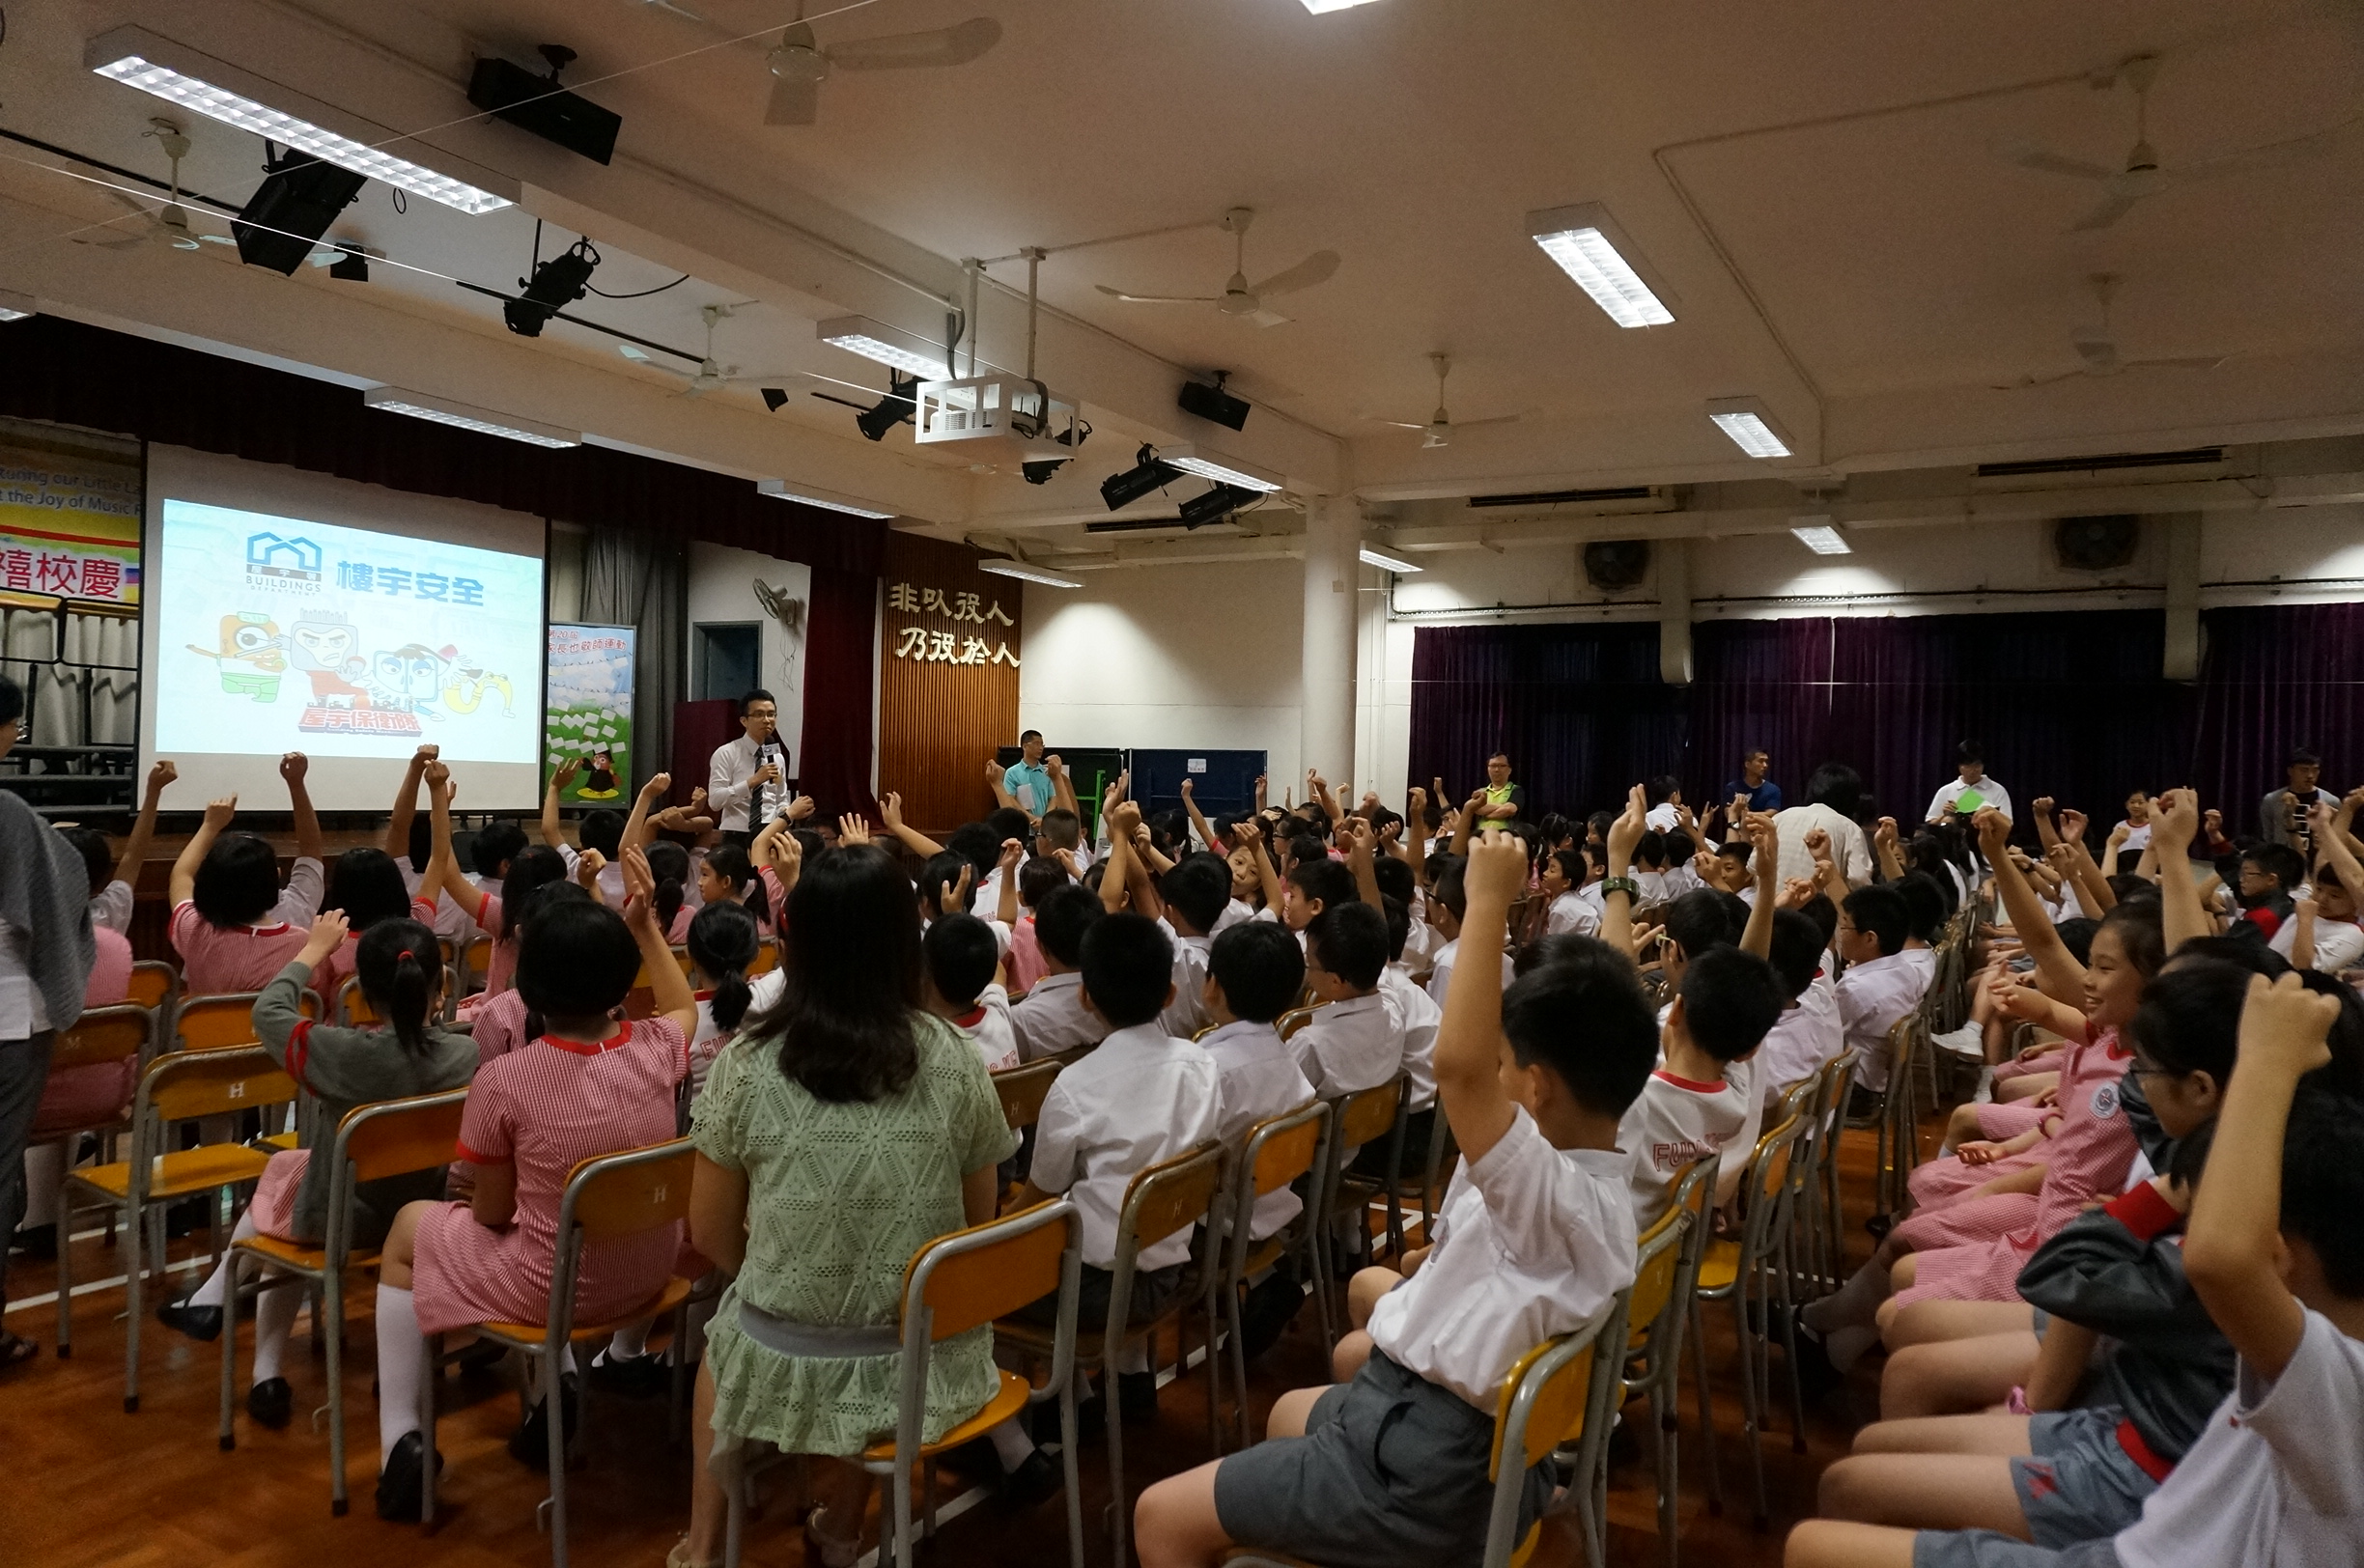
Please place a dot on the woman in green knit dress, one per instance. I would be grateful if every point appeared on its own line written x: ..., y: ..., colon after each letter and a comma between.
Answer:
x: 844, y: 1128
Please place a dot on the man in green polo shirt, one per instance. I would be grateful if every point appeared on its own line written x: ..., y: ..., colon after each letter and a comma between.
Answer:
x: 1027, y: 779
x: 1505, y: 801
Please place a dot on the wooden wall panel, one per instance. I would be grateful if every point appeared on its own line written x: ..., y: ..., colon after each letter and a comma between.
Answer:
x: 949, y: 646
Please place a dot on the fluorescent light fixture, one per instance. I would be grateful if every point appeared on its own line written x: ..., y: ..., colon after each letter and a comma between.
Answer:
x: 1389, y: 563
x: 1323, y: 8
x: 193, y: 93
x: 1026, y: 574
x: 1222, y: 470
x: 1820, y: 535
x: 15, y: 307
x: 889, y: 346
x: 778, y: 490
x: 1750, y: 426
x: 1587, y: 244
x: 394, y: 400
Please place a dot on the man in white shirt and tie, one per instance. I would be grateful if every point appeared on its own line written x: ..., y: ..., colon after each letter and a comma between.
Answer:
x: 744, y: 780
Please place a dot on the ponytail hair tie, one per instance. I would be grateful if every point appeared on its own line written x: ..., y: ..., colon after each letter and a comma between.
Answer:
x: 403, y: 954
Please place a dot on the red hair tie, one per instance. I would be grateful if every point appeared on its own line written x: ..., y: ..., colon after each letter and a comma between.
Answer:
x: 405, y: 952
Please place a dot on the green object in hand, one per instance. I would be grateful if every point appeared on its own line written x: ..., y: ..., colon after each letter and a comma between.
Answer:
x: 1969, y: 802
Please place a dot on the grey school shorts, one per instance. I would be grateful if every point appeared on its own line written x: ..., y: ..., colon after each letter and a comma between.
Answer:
x: 1988, y: 1549
x: 1391, y: 1474
x: 2079, y: 1485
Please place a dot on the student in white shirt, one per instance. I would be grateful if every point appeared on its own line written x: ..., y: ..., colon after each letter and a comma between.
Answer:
x: 961, y: 983
x: 112, y: 904
x: 1809, y: 1032
x: 1052, y: 1017
x: 1689, y: 1109
x: 1971, y: 768
x: 1140, y: 1099
x: 1666, y: 804
x: 1565, y: 872
x: 1834, y: 795
x: 722, y: 943
x: 1352, y: 1043
x: 1195, y: 894
x: 1881, y: 983
x: 1415, y: 1017
x: 2326, y: 922
x: 2274, y: 1253
x: 1537, y: 1239
x: 1444, y: 902
x: 1396, y: 879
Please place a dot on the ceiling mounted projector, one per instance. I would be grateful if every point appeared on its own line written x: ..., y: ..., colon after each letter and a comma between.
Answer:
x: 539, y: 104
x: 1213, y: 403
x: 291, y: 210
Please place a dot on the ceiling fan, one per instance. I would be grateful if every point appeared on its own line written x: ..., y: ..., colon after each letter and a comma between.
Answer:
x: 800, y: 64
x: 1240, y: 298
x: 169, y: 224
x: 711, y: 375
x: 2098, y: 348
x: 1439, y: 430
x: 2142, y: 176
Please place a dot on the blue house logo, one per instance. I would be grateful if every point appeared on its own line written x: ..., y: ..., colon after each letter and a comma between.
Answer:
x: 268, y: 555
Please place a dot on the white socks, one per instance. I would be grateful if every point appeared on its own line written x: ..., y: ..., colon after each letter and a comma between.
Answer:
x: 628, y: 1342
x: 1011, y: 1444
x: 274, y: 1318
x: 217, y: 1285
x: 1134, y: 1358
x: 401, y: 1347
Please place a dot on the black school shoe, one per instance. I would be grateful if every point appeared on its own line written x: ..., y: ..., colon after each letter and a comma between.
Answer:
x: 401, y: 1486
x: 270, y: 1402
x: 199, y: 1323
x: 1267, y: 1312
x: 530, y: 1444
x: 1137, y: 1395
x: 637, y: 1377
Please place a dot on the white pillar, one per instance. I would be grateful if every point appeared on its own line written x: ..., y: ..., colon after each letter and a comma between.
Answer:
x: 1673, y: 610
x: 1333, y: 568
x: 2183, y: 663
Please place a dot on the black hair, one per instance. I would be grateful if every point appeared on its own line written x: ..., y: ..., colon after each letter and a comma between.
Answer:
x: 1571, y: 865
x: 1969, y: 751
x: 1583, y: 1017
x: 730, y: 862
x: 1662, y: 788
x: 601, y: 830
x: 12, y: 701
x: 1650, y: 849
x: 1061, y: 827
x: 1024, y: 735
x: 494, y: 845
x: 1883, y: 913
x: 1678, y: 847
x: 400, y: 968
x: 2279, y: 861
x: 1061, y: 917
x: 2323, y: 1182
x: 1394, y: 875
x: 1008, y: 822
x: 1553, y: 829
x: 1170, y: 831
x: 1260, y: 968
x: 1398, y: 924
x: 1447, y: 885
x: 940, y: 871
x: 670, y: 866
x: 1324, y: 881
x: 1351, y: 941
x: 1039, y: 878
x: 1797, y: 950
x: 2141, y: 935
x: 2189, y: 1021
x: 1835, y: 785
x: 1198, y: 890
x: 2243, y: 951
x: 368, y: 887
x: 1735, y: 848
x: 722, y: 942
x: 529, y: 869
x: 98, y: 855
x: 1560, y: 947
x: 1697, y: 921
x: 960, y: 953
x: 844, y: 1018
x: 809, y: 843
x: 1823, y: 913
x: 1730, y: 1000
x: 1382, y: 818
x: 1094, y: 875
x: 2076, y: 934
x: 237, y: 881
x: 752, y: 698
x: 575, y: 960
x: 1128, y: 968
x: 2298, y: 757
x: 1925, y: 903
x: 422, y: 842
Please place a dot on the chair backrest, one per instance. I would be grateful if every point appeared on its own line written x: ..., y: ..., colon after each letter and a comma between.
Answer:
x: 353, y: 1008
x: 1795, y: 1098
x: 1279, y: 1149
x: 1543, y: 1399
x: 1023, y: 1090
x: 1768, y: 1187
x: 396, y: 1137
x: 184, y: 1085
x: 990, y: 1270
x: 154, y: 983
x: 226, y: 1021
x: 613, y: 1196
x: 1658, y: 1255
x: 476, y: 964
x: 1171, y: 1194
x: 1295, y: 1019
x: 681, y: 956
x: 103, y: 1034
x: 767, y: 957
x: 1370, y: 1114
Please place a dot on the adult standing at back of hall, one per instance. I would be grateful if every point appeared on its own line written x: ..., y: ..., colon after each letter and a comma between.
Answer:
x: 1764, y: 795
x: 744, y: 781
x: 2282, y: 816
x: 1833, y: 799
x: 1505, y: 802
x: 1027, y: 779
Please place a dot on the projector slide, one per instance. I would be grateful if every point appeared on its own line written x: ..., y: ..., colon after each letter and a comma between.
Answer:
x: 278, y: 634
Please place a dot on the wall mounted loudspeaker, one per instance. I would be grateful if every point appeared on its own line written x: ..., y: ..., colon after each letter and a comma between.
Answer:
x: 2098, y: 543
x: 1613, y: 565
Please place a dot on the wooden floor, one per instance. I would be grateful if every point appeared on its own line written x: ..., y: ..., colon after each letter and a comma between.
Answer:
x: 87, y: 1485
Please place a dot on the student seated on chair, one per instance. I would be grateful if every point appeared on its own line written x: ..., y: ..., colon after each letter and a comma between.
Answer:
x: 1196, y: 894
x: 1444, y: 905
x: 1313, y: 885
x: 1880, y: 985
x: 844, y: 1128
x: 2275, y: 1252
x: 723, y: 945
x: 1687, y: 1110
x: 1809, y: 1032
x: 1142, y: 1098
x: 1353, y: 1041
x: 233, y: 925
x: 962, y: 985
x: 1052, y: 1017
x: 1538, y: 1240
x: 587, y: 1086
x: 1415, y: 1015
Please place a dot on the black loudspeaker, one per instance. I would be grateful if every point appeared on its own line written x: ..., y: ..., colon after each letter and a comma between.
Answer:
x: 1212, y: 403
x: 537, y: 104
x: 1612, y: 565
x: 293, y: 206
x: 2098, y: 543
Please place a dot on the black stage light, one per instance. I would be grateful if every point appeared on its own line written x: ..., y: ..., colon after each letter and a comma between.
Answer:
x: 1212, y: 403
x: 1216, y: 504
x: 1040, y: 472
x: 349, y: 267
x: 774, y: 398
x: 540, y: 105
x: 1120, y: 491
x: 298, y: 198
x: 896, y: 407
x: 556, y: 283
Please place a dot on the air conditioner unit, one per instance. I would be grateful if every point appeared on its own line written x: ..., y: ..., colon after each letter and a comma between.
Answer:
x: 2105, y: 543
x: 1613, y: 565
x: 999, y: 418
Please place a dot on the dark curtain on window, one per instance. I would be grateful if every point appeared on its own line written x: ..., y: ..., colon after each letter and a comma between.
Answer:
x: 634, y: 578
x: 838, y: 701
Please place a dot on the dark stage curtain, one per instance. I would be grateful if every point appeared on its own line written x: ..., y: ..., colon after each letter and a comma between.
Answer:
x: 2274, y: 676
x: 838, y: 701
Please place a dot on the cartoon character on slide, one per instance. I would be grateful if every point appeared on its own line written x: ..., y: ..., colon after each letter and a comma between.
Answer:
x: 406, y: 679
x: 468, y: 682
x: 249, y: 656
x: 599, y: 777
x: 322, y: 642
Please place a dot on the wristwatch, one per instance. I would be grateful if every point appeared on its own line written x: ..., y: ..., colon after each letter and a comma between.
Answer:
x: 1620, y: 885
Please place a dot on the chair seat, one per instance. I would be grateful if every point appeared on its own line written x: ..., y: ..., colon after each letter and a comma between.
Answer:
x: 1007, y: 1401
x: 1719, y: 1267
x: 532, y: 1335
x: 281, y: 1140
x: 192, y: 1170
x: 294, y: 1255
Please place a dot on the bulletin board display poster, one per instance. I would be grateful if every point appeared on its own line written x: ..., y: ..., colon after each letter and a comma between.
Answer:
x: 69, y: 521
x: 590, y: 710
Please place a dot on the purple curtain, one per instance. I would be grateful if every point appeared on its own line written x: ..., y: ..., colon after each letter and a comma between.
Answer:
x: 2274, y: 676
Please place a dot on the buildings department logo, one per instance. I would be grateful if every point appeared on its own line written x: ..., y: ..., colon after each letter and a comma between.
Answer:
x: 288, y: 560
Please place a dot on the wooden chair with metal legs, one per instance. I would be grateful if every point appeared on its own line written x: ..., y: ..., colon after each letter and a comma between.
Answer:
x: 1278, y: 1150
x: 225, y: 1021
x: 124, y: 1036
x: 1827, y: 1253
x: 1167, y: 1197
x: 155, y: 985
x: 1555, y: 1399
x: 392, y: 1137
x: 477, y: 964
x: 1899, y: 1142
x: 608, y: 1199
x: 1743, y: 1274
x: 180, y: 1086
x: 1356, y: 1119
x: 1658, y: 1309
x: 1022, y: 1090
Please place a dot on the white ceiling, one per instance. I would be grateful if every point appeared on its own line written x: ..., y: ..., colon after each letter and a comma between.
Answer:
x: 1815, y: 181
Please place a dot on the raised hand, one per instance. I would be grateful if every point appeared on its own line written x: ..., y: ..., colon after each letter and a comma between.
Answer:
x: 2041, y: 805
x: 219, y: 811
x: 2121, y: 833
x: 1884, y: 836
x: 890, y: 808
x: 562, y: 778
x: 1012, y: 851
x: 2285, y: 1028
x: 2072, y: 824
x: 656, y: 787
x: 1626, y: 831
x: 800, y: 808
x: 327, y: 936
x: 1067, y: 858
x: 992, y: 771
x: 953, y: 896
x: 438, y: 776
x: 161, y: 775
x: 1993, y: 831
x: 293, y: 766
x: 640, y: 887
x: 587, y: 867
x: 1053, y: 766
x: 2214, y: 821
x: 1797, y: 892
x: 1186, y: 789
x: 2176, y: 821
x: 852, y: 831
x: 1497, y: 872
x: 1818, y: 845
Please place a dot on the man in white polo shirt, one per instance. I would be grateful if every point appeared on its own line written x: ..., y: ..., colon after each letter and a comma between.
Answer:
x: 1971, y: 767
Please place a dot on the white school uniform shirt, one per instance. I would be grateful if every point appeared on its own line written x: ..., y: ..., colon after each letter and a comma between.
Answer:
x: 1650, y: 887
x: 1415, y: 1017
x: 452, y: 923
x: 1185, y: 1015
x: 2338, y: 943
x: 1421, y: 942
x: 111, y: 906
x: 2137, y: 840
x: 1532, y: 1242
x: 1235, y: 911
x: 1663, y: 818
x: 1872, y: 996
x: 1144, y: 1097
x: 2277, y: 1479
x: 1571, y: 913
x: 1675, y: 1122
x: 1258, y: 1079
x: 1349, y: 1046
x: 1848, y: 850
x: 1993, y: 794
x: 1440, y: 972
x: 1802, y: 1040
x: 1051, y: 1018
x: 987, y: 1026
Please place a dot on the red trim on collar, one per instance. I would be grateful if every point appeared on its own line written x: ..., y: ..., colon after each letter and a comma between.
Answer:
x: 1665, y: 1077
x: 972, y: 1018
x: 701, y: 996
x: 582, y: 1047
